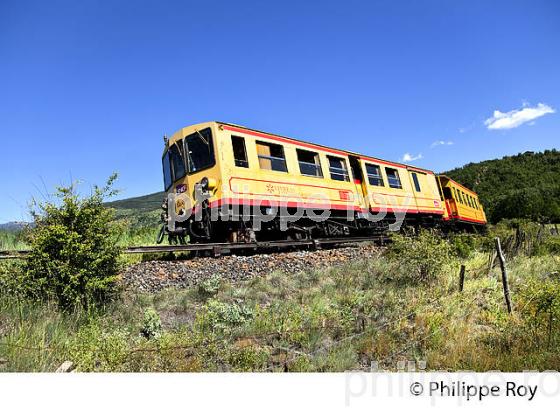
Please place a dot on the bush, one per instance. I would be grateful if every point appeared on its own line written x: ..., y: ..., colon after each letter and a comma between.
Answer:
x: 539, y: 302
x: 550, y: 245
x: 223, y: 316
x: 209, y: 287
x: 74, y: 255
x: 151, y: 328
x: 463, y: 245
x: 422, y: 257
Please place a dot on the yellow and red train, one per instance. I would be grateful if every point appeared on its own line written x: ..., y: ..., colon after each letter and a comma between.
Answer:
x: 232, y: 183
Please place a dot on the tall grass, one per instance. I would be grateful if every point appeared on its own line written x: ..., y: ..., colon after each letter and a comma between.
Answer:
x: 10, y: 241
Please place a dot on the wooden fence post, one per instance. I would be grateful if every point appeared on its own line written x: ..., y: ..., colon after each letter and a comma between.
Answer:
x: 461, y: 278
x: 504, y: 273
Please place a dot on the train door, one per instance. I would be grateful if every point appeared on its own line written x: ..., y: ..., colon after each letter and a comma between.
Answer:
x: 449, y: 201
x: 358, y: 178
x: 415, y: 184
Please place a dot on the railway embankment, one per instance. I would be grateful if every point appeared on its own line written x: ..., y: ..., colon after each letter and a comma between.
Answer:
x: 153, y: 276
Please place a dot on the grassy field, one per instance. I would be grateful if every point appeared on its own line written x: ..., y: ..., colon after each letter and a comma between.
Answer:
x: 139, y: 231
x: 10, y: 241
x: 336, y: 319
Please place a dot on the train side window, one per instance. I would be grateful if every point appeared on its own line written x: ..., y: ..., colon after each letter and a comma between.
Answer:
x: 337, y: 169
x: 239, y: 151
x: 374, y: 175
x: 393, y: 178
x: 309, y: 163
x: 457, y: 195
x: 271, y: 157
x: 416, y: 182
x: 447, y: 193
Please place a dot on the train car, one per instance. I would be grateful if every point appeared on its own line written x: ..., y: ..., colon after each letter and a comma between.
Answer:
x: 226, y: 182
x: 462, y: 206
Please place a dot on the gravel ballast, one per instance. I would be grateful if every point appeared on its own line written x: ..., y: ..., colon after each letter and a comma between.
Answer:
x: 153, y: 276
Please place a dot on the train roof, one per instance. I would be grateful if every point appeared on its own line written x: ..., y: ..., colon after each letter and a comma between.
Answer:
x: 456, y: 183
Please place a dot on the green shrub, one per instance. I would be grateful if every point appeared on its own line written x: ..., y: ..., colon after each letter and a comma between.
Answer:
x: 209, y: 287
x: 421, y: 257
x: 223, y: 316
x: 151, y: 327
x: 539, y: 305
x: 247, y: 359
x: 96, y: 349
x: 462, y: 245
x: 550, y: 245
x: 74, y: 255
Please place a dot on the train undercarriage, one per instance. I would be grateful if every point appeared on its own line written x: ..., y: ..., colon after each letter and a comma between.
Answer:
x: 255, y: 224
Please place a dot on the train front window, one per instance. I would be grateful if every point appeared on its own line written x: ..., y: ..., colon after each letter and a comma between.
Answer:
x: 309, y: 163
x: 177, y: 162
x: 166, y: 171
x: 393, y: 178
x: 374, y: 175
x: 199, y: 150
x: 337, y: 169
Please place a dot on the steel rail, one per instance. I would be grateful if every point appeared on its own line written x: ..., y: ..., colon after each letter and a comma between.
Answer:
x: 218, y: 248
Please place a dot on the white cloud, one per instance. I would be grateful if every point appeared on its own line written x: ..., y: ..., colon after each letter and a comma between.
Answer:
x: 409, y: 158
x: 515, y: 118
x: 441, y: 142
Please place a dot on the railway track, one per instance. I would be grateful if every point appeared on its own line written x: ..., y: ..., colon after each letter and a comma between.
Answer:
x: 218, y: 249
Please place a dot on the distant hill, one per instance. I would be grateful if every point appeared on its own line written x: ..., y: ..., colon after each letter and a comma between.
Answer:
x: 141, y: 211
x: 13, y: 226
x: 526, y: 185
x: 143, y: 203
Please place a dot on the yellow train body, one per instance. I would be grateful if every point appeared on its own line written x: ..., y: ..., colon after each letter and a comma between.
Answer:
x: 246, y: 167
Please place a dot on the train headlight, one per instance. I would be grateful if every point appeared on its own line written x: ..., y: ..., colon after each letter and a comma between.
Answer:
x: 208, y: 184
x: 204, y: 183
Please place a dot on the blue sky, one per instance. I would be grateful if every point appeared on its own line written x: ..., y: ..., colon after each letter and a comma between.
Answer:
x: 90, y: 87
